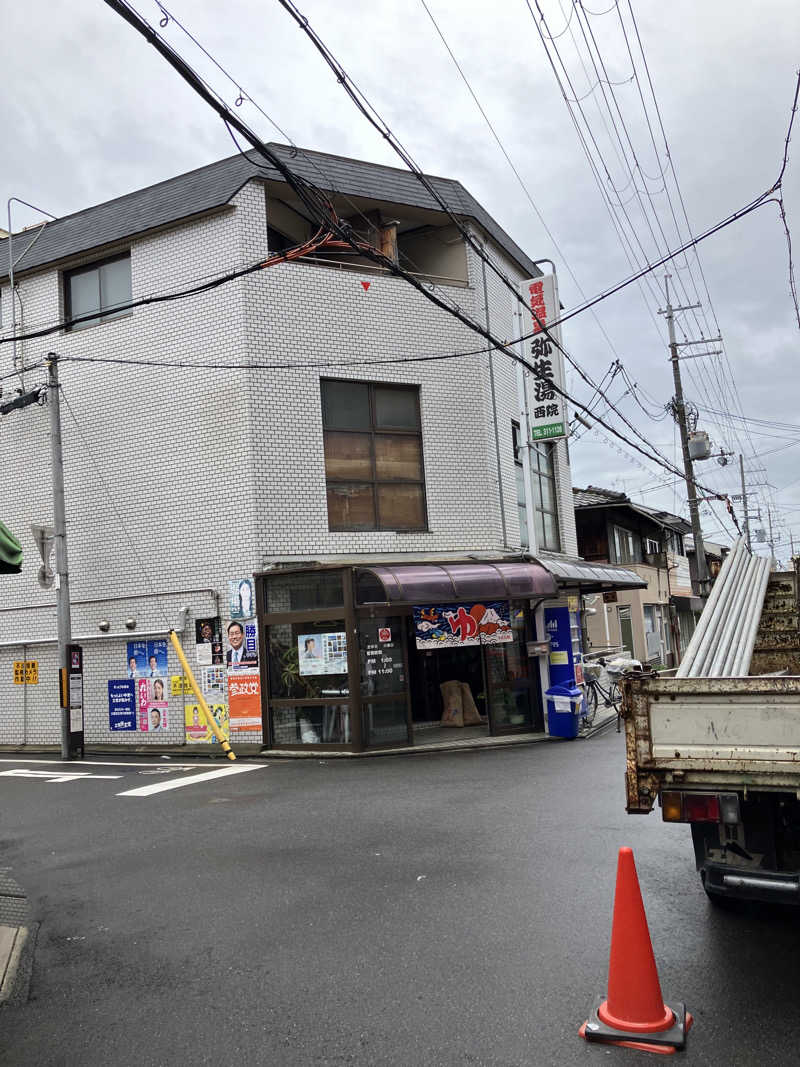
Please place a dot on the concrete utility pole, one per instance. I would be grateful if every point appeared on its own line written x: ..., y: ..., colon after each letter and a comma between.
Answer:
x: 771, y: 539
x: 60, y: 537
x: 680, y: 412
x: 744, y: 504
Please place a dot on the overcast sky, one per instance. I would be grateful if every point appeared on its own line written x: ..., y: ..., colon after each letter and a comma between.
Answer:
x: 92, y: 112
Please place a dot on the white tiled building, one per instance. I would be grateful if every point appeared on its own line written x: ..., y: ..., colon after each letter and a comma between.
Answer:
x: 184, y: 472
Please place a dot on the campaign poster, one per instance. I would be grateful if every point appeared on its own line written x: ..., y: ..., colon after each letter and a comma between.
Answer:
x: 214, y: 682
x: 156, y: 659
x: 122, y: 704
x: 137, y: 659
x: 244, y: 701
x: 153, y: 704
x: 322, y: 653
x: 242, y: 598
x: 197, y: 729
x: 180, y: 685
x: 459, y: 625
x: 242, y: 641
x: 208, y: 641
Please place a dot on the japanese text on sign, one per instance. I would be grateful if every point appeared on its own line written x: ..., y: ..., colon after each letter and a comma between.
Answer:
x: 26, y: 672
x: 548, y: 414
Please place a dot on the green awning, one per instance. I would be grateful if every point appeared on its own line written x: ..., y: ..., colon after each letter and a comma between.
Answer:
x: 10, y: 552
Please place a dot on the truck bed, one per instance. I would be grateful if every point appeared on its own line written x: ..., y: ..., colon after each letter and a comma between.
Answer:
x: 725, y: 733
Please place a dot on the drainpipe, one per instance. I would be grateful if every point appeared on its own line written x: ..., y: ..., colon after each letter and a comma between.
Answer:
x: 494, y: 406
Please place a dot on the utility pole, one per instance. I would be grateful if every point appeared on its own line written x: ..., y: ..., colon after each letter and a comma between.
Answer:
x: 680, y: 412
x: 744, y: 505
x: 60, y: 537
x: 771, y: 540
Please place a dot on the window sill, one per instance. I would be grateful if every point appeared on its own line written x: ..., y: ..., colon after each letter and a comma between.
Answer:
x: 81, y: 326
x: 382, y: 530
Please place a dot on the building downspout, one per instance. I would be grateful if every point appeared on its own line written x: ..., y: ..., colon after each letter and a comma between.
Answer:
x: 494, y: 406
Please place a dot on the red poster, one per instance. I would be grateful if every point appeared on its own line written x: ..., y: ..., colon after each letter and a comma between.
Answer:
x: 244, y: 701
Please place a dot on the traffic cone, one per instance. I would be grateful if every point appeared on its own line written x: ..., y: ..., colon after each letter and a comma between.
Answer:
x: 634, y: 1013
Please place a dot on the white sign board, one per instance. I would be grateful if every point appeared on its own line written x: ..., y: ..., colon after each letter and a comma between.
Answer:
x: 547, y: 405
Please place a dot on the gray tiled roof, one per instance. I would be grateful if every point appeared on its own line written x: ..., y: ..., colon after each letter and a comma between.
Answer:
x: 213, y: 186
x: 592, y: 497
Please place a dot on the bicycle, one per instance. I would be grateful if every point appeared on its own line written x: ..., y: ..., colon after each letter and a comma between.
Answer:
x: 594, y: 691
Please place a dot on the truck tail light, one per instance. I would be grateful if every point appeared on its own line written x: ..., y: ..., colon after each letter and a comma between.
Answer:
x: 701, y: 807
x: 672, y: 807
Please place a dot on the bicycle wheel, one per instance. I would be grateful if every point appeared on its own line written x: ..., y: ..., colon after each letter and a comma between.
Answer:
x: 591, y: 704
x: 614, y: 692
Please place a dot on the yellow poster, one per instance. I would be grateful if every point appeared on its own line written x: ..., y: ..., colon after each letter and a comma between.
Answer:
x: 559, y: 659
x: 198, y: 731
x: 26, y: 672
x: 180, y: 685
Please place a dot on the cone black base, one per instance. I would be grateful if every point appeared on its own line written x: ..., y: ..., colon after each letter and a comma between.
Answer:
x: 594, y: 1029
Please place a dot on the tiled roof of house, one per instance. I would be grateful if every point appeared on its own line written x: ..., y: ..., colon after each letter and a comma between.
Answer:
x: 212, y: 187
x: 594, y: 497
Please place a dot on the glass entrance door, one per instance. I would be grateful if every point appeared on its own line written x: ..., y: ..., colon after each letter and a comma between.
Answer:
x: 512, y: 678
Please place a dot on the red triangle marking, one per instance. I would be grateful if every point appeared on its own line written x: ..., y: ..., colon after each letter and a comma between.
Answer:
x: 366, y: 285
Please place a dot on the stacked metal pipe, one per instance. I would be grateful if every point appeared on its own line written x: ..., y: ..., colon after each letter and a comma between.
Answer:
x: 722, y: 644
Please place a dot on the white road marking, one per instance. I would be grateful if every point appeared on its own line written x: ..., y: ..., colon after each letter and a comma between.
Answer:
x: 105, y: 763
x: 178, y: 783
x: 54, y: 776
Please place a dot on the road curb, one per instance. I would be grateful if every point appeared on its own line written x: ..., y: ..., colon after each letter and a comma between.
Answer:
x: 12, y: 941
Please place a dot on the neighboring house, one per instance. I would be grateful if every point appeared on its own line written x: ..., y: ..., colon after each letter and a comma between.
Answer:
x: 327, y: 453
x: 612, y: 528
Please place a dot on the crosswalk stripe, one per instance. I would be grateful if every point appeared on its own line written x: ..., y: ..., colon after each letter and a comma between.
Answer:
x: 192, y: 779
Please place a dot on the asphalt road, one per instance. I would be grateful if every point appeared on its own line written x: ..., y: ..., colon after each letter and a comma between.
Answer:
x: 440, y: 909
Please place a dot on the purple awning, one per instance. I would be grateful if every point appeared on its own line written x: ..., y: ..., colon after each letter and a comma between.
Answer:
x: 431, y: 583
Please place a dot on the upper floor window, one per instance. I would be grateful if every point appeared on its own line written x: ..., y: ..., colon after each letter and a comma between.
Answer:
x: 545, y: 501
x: 98, y: 287
x: 651, y: 546
x: 627, y: 546
x: 543, y: 492
x: 675, y: 542
x: 373, y: 456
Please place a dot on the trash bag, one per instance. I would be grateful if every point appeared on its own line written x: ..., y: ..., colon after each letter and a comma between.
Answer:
x: 453, y: 710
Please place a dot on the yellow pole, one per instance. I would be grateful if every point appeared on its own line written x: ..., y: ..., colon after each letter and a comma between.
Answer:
x: 201, y: 700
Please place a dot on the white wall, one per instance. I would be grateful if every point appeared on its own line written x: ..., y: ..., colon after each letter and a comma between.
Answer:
x: 179, y: 480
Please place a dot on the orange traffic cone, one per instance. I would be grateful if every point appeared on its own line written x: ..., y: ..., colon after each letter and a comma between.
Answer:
x: 634, y: 1013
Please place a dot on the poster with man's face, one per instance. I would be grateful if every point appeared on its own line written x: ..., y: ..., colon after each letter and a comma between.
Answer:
x: 208, y: 641
x: 242, y: 645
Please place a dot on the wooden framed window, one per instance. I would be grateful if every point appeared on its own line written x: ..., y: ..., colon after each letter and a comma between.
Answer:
x: 373, y: 456
x: 98, y: 287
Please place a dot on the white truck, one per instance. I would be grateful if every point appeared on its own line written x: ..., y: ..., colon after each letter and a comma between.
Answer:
x: 723, y: 754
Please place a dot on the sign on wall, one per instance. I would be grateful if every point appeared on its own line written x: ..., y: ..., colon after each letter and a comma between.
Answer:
x: 244, y: 701
x: 459, y: 625
x: 547, y: 406
x: 26, y: 672
x: 121, y: 704
x: 322, y: 653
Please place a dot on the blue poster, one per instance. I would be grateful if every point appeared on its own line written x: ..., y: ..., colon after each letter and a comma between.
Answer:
x: 156, y: 659
x: 122, y: 704
x: 137, y: 659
